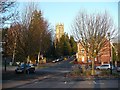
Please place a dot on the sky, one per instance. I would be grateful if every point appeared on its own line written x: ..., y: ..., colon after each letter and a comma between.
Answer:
x: 65, y: 12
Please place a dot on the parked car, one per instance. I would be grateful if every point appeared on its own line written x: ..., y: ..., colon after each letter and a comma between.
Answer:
x: 97, y: 67
x: 104, y: 66
x: 118, y: 69
x: 54, y: 61
x: 57, y: 60
x: 61, y: 59
x: 29, y: 68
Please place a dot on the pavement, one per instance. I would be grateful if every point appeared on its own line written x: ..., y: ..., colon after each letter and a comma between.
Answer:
x: 14, y: 83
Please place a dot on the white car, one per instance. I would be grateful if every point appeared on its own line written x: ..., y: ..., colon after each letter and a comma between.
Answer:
x: 104, y: 66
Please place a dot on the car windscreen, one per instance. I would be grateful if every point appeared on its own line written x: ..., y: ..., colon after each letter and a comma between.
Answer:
x: 23, y: 65
x: 104, y: 65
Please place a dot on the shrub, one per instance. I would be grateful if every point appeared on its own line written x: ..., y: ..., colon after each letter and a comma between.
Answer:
x: 76, y: 70
x: 105, y: 72
x: 87, y: 73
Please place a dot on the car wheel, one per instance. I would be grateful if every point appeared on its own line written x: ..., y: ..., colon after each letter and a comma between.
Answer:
x: 118, y: 70
x: 98, y: 69
x: 108, y: 69
x: 16, y: 72
x: 34, y: 71
x: 28, y: 72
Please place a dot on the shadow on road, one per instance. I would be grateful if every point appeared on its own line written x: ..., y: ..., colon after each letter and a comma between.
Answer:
x: 11, y: 75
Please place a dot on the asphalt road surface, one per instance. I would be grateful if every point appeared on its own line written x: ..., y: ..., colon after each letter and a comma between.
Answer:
x: 54, y: 77
x: 61, y: 82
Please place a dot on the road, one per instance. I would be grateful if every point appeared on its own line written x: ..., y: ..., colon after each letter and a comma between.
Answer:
x: 62, y: 82
x: 54, y: 77
x: 10, y: 79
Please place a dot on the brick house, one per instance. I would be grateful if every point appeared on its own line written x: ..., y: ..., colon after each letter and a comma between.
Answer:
x: 103, y: 57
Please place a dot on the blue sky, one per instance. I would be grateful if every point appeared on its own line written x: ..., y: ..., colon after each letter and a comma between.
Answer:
x: 65, y: 12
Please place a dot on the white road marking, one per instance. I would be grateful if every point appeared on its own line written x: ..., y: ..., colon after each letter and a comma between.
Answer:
x: 65, y: 82
x: 94, y: 82
x: 97, y: 83
x: 44, y: 76
x: 36, y: 82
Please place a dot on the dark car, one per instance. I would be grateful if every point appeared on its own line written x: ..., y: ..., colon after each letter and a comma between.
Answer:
x: 29, y: 68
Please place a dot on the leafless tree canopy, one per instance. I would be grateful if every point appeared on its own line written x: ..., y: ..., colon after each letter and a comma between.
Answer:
x: 5, y: 5
x: 8, y: 12
x: 92, y: 30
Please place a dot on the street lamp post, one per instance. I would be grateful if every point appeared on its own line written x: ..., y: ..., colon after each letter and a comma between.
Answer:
x: 110, y: 54
x: 5, y: 62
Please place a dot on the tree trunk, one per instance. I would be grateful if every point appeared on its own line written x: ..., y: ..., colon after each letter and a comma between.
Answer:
x: 13, y: 57
x: 115, y: 63
x: 5, y: 64
x: 38, y: 58
x: 87, y: 61
x: 25, y: 67
x: 28, y: 58
x: 93, y: 64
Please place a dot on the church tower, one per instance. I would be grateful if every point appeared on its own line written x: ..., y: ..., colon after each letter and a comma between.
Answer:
x: 59, y: 31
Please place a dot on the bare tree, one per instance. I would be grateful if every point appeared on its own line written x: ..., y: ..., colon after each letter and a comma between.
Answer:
x: 7, y: 11
x: 8, y: 15
x: 11, y: 41
x: 91, y: 32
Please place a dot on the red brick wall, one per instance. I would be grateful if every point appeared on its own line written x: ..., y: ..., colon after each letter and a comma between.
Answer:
x: 103, y: 58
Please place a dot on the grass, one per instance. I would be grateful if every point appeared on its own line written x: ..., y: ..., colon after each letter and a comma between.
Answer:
x: 116, y: 74
x: 71, y: 62
x: 86, y: 73
x: 105, y: 72
x: 76, y: 72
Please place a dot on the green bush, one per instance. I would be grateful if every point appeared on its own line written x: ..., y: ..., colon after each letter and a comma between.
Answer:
x: 76, y: 72
x: 116, y: 74
x: 87, y: 73
x: 105, y: 72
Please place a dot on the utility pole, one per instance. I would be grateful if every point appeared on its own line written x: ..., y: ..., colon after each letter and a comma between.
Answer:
x: 5, y: 64
x: 110, y: 54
